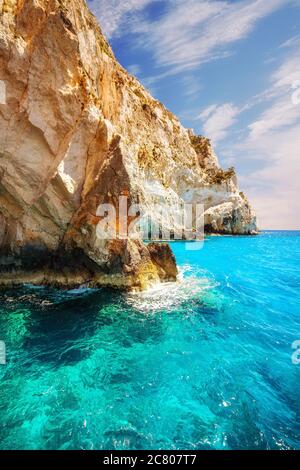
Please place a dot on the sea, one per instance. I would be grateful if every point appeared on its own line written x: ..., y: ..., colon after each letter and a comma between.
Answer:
x: 209, y: 362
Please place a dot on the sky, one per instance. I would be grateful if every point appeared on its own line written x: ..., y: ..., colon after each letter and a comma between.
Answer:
x: 230, y: 70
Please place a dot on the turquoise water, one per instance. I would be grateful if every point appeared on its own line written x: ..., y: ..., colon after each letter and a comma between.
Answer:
x: 202, y: 364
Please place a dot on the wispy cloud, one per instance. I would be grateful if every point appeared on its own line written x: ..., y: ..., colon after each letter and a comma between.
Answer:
x: 282, y: 111
x: 294, y: 40
x: 134, y: 69
x: 280, y: 114
x: 217, y: 120
x: 113, y: 14
x: 196, y: 31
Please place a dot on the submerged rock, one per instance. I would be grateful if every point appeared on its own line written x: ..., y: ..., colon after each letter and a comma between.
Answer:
x: 78, y: 131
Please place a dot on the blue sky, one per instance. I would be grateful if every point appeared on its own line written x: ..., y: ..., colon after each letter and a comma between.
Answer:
x: 231, y: 71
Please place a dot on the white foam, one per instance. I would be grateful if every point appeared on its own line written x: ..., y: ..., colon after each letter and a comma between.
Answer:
x: 166, y: 296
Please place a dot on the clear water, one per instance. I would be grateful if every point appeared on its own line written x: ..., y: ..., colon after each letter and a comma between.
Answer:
x: 202, y: 364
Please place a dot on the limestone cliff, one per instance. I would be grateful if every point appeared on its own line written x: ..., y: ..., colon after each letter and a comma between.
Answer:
x: 77, y: 131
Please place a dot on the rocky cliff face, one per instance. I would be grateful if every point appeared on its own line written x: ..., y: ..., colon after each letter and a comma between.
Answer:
x: 77, y: 131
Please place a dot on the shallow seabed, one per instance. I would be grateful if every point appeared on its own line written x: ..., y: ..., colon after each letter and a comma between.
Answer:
x: 201, y: 364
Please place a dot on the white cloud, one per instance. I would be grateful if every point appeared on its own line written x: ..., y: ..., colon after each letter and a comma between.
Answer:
x: 190, y: 32
x: 134, y: 69
x: 280, y: 114
x: 207, y: 112
x: 290, y: 42
x: 196, y: 31
x: 113, y: 14
x: 191, y: 85
x: 217, y: 120
x: 289, y: 71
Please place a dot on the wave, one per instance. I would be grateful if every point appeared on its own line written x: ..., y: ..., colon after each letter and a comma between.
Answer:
x: 190, y: 286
